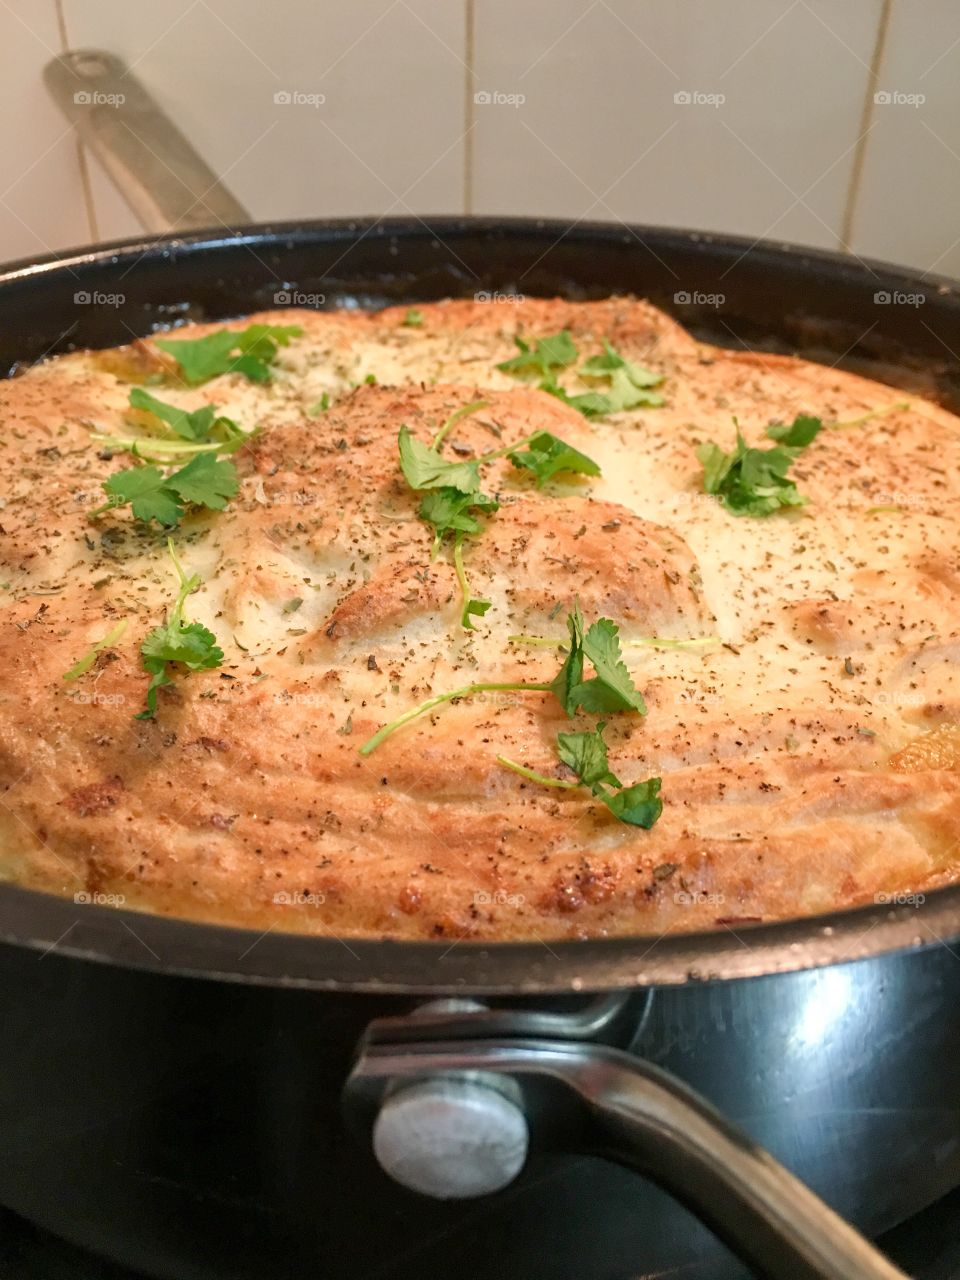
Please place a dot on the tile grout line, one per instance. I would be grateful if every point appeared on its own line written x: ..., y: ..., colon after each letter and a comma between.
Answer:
x: 468, y: 104
x: 866, y: 117
x: 82, y: 162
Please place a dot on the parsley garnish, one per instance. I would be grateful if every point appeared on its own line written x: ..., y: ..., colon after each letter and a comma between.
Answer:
x: 544, y: 356
x: 546, y: 455
x: 452, y: 494
x: 754, y: 482
x: 84, y: 664
x: 586, y: 754
x: 205, y: 481
x: 188, y: 643
x: 413, y: 319
x: 424, y: 468
x: 611, y: 688
x: 249, y: 351
x: 630, y: 383
x: 195, y: 427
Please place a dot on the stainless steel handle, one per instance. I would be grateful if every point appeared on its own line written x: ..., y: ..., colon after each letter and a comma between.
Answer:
x: 166, y: 183
x: 632, y: 1112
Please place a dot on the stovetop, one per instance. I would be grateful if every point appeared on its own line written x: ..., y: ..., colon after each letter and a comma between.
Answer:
x: 927, y: 1248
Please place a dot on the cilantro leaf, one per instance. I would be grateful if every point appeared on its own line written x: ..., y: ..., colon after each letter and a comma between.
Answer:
x: 592, y: 404
x: 146, y: 490
x: 154, y: 495
x: 195, y: 426
x: 201, y: 359
x: 206, y: 480
x: 639, y: 805
x: 612, y: 688
x: 413, y: 319
x: 424, y: 468
x: 802, y: 431
x: 546, y: 455
x: 754, y: 482
x: 586, y: 754
x: 449, y: 511
x: 557, y: 351
x: 630, y: 383
x: 187, y: 643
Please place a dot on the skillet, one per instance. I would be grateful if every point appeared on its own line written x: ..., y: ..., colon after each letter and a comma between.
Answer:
x: 199, y: 1101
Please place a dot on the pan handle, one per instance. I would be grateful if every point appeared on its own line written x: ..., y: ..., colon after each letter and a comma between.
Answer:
x: 431, y: 1119
x: 162, y: 178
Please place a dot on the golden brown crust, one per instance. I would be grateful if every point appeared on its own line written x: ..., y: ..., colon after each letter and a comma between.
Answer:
x: 809, y: 758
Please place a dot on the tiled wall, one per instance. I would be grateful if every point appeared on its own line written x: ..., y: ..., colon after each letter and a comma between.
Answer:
x: 825, y: 123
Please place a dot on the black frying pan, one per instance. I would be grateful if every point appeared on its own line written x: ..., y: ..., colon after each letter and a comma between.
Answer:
x: 171, y: 1091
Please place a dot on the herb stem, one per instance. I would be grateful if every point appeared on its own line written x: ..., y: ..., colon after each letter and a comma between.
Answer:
x: 868, y: 417
x: 647, y: 642
x: 455, y: 417
x: 156, y: 450
x: 464, y: 692
x: 524, y: 772
x: 507, y: 448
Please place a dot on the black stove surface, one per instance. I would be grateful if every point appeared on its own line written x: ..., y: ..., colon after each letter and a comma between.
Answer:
x: 927, y: 1247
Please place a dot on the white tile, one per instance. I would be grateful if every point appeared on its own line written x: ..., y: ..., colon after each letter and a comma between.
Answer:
x: 907, y: 206
x: 41, y: 196
x: 387, y: 138
x: 600, y: 134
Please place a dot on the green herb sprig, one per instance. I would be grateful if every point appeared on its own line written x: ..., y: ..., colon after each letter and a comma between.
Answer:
x: 754, y: 482
x: 610, y: 689
x: 453, y: 498
x: 586, y: 755
x: 249, y: 351
x: 189, y: 644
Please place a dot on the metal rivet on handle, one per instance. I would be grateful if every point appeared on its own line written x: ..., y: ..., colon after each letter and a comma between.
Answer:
x: 451, y: 1138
